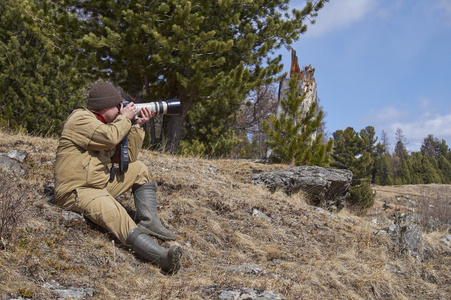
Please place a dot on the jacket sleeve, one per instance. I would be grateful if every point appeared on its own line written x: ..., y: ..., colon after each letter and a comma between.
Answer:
x: 88, y: 132
x: 135, y: 141
x: 107, y: 136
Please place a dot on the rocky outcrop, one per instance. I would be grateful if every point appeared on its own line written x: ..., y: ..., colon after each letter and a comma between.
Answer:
x: 326, y: 188
x: 406, y: 234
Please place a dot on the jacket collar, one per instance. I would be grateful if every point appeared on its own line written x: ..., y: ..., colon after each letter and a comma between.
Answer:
x: 100, y: 117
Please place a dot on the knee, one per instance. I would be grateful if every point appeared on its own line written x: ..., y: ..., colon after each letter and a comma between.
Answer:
x: 111, y: 215
x: 103, y: 211
x: 142, y: 172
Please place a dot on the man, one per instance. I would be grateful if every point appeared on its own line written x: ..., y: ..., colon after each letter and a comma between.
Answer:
x: 87, y: 182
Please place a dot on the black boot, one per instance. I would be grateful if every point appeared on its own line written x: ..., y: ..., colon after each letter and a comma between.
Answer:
x: 146, y: 206
x: 144, y: 246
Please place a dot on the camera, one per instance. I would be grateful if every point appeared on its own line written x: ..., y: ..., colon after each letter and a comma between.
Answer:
x: 168, y: 107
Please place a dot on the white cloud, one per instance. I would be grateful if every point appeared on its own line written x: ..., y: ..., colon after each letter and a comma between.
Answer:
x: 417, y: 121
x: 444, y: 6
x: 385, y: 115
x: 428, y: 123
x: 438, y: 125
x: 339, y: 14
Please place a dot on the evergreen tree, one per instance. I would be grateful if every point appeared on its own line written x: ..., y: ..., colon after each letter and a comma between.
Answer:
x: 399, y: 154
x: 384, y: 170
x: 349, y: 153
x: 433, y: 147
x: 40, y: 83
x: 445, y: 167
x: 384, y: 143
x: 417, y: 167
x: 404, y: 176
x: 400, y: 150
x: 389, y: 181
x: 293, y: 136
x: 210, y: 54
x: 429, y: 172
x: 382, y: 164
x: 369, y: 139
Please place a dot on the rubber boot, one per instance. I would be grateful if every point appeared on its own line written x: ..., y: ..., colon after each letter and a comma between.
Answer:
x: 145, y: 247
x: 146, y: 206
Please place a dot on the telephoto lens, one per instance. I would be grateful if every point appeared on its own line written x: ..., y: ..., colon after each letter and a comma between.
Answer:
x: 168, y: 107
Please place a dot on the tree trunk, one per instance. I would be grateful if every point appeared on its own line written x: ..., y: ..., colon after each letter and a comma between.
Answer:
x: 172, y: 128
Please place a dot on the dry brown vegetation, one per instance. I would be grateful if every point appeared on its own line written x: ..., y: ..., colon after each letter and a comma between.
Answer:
x: 305, y: 253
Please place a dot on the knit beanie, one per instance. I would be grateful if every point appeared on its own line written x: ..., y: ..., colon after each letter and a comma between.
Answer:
x: 103, y: 95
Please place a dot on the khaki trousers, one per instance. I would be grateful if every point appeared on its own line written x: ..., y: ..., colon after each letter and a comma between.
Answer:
x: 100, y: 205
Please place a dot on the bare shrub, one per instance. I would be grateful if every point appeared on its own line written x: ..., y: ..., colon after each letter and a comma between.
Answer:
x: 435, y: 208
x: 11, y: 206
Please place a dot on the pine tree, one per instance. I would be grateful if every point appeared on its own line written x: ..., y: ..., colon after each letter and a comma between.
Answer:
x: 384, y: 170
x: 433, y: 147
x: 405, y: 177
x: 445, y: 167
x: 38, y: 77
x: 210, y: 54
x: 429, y: 172
x: 368, y: 134
x: 293, y: 135
x: 417, y: 167
x: 349, y: 153
x: 389, y: 181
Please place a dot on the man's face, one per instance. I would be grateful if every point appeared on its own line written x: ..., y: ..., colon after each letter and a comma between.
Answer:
x: 110, y: 113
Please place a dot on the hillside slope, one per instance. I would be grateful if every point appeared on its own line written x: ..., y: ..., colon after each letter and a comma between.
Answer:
x: 301, y: 252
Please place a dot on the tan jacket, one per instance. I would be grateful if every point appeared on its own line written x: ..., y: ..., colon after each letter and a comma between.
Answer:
x: 85, y: 150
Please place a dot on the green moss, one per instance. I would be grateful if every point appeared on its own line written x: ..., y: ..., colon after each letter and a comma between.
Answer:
x: 26, y: 293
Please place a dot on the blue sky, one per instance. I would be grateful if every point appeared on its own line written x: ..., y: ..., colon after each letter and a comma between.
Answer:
x: 384, y: 63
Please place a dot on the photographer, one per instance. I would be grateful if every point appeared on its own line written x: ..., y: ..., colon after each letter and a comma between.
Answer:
x: 87, y: 182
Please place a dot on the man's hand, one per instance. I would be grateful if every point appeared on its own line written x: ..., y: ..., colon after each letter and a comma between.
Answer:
x: 146, y: 115
x: 129, y: 111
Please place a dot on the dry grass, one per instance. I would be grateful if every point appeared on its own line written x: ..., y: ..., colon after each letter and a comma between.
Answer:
x: 431, y: 203
x: 305, y: 253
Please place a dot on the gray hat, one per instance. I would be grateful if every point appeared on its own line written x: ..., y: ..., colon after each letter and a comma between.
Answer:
x: 103, y: 95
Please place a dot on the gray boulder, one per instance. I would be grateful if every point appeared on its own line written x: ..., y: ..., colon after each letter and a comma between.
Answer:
x: 13, y: 162
x: 326, y: 188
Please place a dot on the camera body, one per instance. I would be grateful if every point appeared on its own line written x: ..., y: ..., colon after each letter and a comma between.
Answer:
x: 168, y: 107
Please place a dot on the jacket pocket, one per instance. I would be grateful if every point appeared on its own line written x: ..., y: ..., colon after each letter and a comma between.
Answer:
x: 97, y: 172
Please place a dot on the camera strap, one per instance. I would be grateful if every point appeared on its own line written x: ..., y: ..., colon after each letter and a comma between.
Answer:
x: 122, y: 148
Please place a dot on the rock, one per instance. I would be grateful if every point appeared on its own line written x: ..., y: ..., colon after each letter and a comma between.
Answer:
x: 325, y: 188
x: 13, y: 161
x: 407, y: 235
x: 411, y: 241
x: 18, y: 155
x: 246, y: 269
x: 446, y: 240
x: 238, y: 293
x: 71, y: 216
x: 68, y: 293
x: 248, y: 294
x: 259, y: 214
x: 212, y: 168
